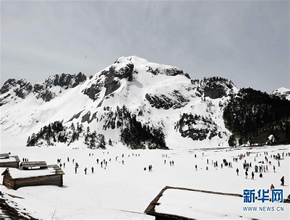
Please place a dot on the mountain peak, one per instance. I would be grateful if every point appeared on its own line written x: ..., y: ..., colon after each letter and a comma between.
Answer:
x: 154, y: 68
x: 133, y: 59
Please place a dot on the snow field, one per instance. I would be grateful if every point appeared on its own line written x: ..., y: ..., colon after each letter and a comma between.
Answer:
x: 104, y: 194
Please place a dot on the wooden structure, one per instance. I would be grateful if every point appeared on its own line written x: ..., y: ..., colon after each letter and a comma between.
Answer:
x: 5, y: 155
x: 33, y: 174
x: 33, y: 165
x: 150, y: 210
x: 9, y: 161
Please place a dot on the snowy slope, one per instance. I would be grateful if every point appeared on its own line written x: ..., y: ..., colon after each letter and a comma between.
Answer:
x: 157, y: 94
x: 282, y: 92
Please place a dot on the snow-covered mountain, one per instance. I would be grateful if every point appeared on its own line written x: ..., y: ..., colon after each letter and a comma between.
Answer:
x: 133, y: 103
x: 282, y: 92
x: 46, y: 90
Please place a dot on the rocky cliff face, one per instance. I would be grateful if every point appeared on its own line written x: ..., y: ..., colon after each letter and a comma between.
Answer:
x: 171, y: 100
x: 13, y: 89
x: 21, y: 88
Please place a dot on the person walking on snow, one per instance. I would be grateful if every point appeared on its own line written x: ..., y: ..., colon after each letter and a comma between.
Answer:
x: 253, y: 175
x: 237, y: 170
x: 150, y: 168
x: 282, y: 181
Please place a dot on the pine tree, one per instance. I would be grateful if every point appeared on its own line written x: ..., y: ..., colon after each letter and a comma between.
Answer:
x: 28, y: 141
x: 101, y: 140
x: 72, y: 127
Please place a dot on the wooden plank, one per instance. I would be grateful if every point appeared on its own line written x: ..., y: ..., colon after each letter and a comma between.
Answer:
x: 33, y: 164
x: 16, y: 158
x: 8, y: 181
x: 14, y: 164
x: 37, y: 181
x: 57, y: 169
x: 152, y: 204
x: 4, y: 155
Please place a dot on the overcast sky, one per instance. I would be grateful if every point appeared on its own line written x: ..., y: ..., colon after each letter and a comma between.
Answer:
x: 244, y: 41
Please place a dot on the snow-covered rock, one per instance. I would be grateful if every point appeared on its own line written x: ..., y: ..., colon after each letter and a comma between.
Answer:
x: 282, y: 92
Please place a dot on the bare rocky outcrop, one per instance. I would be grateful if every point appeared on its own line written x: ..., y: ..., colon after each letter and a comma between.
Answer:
x: 22, y: 88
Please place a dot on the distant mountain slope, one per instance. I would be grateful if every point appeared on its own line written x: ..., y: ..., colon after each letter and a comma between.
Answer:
x: 47, y: 90
x: 282, y: 93
x: 255, y: 117
x: 132, y: 103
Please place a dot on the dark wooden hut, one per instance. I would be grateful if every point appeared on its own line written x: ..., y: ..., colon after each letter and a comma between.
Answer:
x: 9, y: 161
x: 33, y: 174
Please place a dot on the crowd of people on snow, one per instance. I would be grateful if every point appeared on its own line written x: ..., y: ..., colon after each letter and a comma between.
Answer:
x: 103, y: 163
x: 262, y: 166
x: 258, y: 166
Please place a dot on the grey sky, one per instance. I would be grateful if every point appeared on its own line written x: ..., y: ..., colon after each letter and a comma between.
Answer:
x: 244, y: 41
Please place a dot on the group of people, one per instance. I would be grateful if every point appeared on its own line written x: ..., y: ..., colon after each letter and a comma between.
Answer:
x: 261, y: 167
x: 87, y: 169
x: 25, y: 159
x: 171, y: 162
x: 282, y: 183
x: 103, y: 163
x: 60, y: 163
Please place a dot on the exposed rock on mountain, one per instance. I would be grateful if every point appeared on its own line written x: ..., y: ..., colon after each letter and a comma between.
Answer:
x: 196, y: 127
x: 172, y: 100
x: 45, y: 90
x: 19, y: 88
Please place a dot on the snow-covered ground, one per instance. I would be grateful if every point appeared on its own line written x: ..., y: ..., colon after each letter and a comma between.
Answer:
x: 123, y: 191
